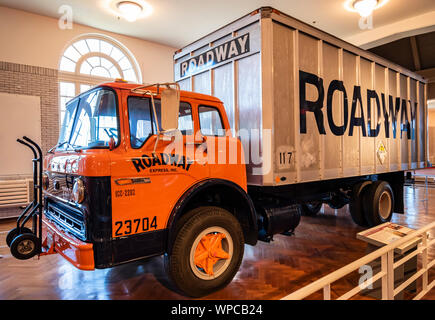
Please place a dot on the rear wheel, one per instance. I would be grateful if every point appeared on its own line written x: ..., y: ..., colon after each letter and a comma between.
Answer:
x: 356, y: 203
x: 378, y: 203
x: 311, y: 208
x: 207, y: 251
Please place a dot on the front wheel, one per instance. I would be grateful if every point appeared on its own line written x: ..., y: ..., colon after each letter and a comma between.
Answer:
x: 207, y: 251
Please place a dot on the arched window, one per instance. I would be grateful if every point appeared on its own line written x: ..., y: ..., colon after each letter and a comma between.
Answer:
x: 90, y: 60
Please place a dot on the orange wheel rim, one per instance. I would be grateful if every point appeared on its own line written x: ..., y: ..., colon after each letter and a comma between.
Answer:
x: 209, y: 251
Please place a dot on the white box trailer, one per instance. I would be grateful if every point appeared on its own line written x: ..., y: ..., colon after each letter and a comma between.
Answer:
x: 334, y: 111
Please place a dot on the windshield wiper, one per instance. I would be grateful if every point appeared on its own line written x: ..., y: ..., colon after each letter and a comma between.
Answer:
x: 60, y: 144
x: 74, y: 147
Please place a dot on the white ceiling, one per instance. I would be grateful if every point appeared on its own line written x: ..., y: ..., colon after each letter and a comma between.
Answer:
x: 179, y: 22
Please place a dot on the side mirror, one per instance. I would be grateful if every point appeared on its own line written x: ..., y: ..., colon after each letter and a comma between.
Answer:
x: 170, y: 105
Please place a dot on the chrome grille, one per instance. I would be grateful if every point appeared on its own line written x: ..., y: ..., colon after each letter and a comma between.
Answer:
x: 67, y: 219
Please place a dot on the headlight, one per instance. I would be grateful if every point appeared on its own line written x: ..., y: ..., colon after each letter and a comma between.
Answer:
x: 78, y: 191
x: 45, y: 181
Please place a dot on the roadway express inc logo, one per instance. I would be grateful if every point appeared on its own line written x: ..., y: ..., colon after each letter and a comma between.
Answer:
x: 161, y: 159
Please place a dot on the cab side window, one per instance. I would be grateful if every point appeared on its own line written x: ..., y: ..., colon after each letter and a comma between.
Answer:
x: 210, y: 121
x: 185, y: 122
x: 141, y: 119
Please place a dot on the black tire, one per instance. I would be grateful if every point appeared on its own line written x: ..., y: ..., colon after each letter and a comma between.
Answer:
x: 25, y: 246
x: 378, y: 203
x: 311, y: 208
x: 356, y: 203
x: 188, y: 277
x: 14, y: 232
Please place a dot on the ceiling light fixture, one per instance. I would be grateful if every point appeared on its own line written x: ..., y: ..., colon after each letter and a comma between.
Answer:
x: 130, y: 10
x: 364, y: 7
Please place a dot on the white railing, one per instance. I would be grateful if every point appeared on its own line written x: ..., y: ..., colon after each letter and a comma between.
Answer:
x: 386, y: 274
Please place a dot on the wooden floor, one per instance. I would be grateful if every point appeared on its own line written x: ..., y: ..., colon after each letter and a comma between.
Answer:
x: 321, y: 245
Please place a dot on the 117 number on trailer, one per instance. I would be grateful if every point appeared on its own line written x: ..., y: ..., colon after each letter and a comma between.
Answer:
x: 285, y: 158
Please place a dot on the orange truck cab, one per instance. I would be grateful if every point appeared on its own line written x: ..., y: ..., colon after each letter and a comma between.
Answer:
x: 120, y: 186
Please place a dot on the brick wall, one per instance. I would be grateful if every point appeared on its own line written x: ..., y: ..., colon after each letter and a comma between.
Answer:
x: 35, y: 81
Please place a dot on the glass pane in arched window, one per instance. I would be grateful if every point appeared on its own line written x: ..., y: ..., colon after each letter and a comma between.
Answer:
x: 129, y: 75
x: 67, y: 89
x: 84, y: 87
x: 114, y: 73
x: 100, y: 72
x: 72, y: 54
x: 94, y: 61
x: 81, y: 47
x: 116, y: 54
x: 125, y: 64
x: 85, y: 68
x: 66, y: 93
x: 106, y: 63
x: 105, y: 47
x: 67, y: 65
x: 93, y: 44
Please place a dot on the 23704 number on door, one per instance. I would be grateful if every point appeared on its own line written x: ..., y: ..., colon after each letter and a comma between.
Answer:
x: 128, y: 227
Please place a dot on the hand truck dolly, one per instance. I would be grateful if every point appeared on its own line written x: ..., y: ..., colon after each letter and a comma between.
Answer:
x: 23, y: 242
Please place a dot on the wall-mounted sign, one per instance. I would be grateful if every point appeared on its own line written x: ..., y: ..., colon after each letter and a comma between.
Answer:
x: 218, y: 54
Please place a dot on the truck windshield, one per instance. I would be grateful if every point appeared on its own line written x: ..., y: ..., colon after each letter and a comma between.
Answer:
x: 90, y: 121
